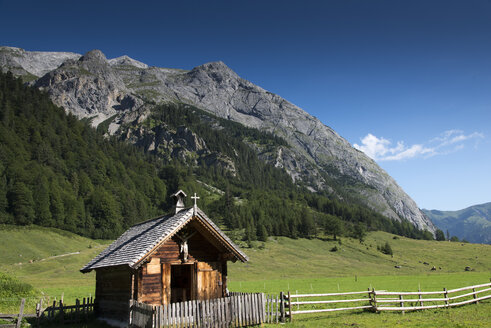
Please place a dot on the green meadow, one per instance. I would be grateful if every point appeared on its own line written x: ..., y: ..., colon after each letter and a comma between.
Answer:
x: 50, y: 259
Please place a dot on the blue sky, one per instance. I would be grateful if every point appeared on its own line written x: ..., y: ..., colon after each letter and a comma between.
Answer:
x: 408, y: 82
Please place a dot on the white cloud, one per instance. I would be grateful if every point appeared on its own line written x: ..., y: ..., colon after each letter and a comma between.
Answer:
x: 380, y: 149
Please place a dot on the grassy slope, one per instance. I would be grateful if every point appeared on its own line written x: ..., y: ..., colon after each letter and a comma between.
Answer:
x: 284, y: 264
x: 285, y: 258
x: 53, y: 275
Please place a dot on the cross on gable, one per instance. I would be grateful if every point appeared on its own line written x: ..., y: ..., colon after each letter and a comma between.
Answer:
x: 195, y: 198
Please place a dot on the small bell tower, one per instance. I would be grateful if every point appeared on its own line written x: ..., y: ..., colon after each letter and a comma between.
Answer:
x: 179, y: 200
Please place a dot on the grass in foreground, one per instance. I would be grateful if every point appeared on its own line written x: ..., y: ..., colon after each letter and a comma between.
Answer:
x: 473, y: 315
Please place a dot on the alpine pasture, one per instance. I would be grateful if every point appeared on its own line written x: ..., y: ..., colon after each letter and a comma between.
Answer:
x: 50, y: 259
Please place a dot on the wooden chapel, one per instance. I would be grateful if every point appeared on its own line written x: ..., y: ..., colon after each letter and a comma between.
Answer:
x: 172, y: 258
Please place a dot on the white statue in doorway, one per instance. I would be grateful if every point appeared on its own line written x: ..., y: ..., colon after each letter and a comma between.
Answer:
x: 184, y: 250
x: 183, y: 245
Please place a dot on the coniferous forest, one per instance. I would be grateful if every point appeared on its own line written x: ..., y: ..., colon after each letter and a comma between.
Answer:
x: 57, y: 171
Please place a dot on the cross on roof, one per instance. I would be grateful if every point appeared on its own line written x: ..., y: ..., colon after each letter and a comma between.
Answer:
x: 195, y: 198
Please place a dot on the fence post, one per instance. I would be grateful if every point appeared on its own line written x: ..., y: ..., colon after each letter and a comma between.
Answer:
x: 264, y: 307
x: 53, y: 310
x: 39, y: 312
x: 290, y: 307
x: 282, y: 306
x: 445, y: 293
x: 374, y: 300
x: 475, y: 295
x: 21, y: 313
x: 402, y: 302
x: 61, y: 313
x: 77, y: 310
x: 277, y: 306
x: 85, y: 309
x: 420, y: 302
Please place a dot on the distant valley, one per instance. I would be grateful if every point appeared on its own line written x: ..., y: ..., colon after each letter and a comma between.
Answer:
x: 472, y: 223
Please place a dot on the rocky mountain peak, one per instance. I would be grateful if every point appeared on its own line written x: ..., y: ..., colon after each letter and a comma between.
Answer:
x: 127, y: 61
x: 94, y: 56
x: 32, y: 63
x: 89, y: 87
x: 214, y: 66
x: 217, y: 71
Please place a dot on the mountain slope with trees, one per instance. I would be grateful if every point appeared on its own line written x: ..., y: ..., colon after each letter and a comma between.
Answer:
x: 57, y: 171
x: 123, y: 91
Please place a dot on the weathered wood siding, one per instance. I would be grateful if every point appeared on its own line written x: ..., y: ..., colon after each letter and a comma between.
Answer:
x: 151, y: 282
x: 208, y: 279
x: 201, y: 250
x: 166, y: 289
x: 113, y: 290
x: 206, y: 262
x: 168, y: 252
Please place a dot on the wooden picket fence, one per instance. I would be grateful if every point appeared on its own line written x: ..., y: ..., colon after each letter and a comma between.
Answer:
x: 62, y: 313
x: 59, y: 313
x: 378, y: 301
x: 274, y: 309
x: 238, y: 310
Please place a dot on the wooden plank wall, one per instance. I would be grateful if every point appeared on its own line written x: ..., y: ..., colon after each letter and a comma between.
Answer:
x: 208, y: 278
x: 151, y: 285
x: 200, y: 250
x: 113, y: 289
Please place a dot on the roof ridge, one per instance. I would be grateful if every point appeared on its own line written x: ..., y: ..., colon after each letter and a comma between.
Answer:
x: 136, y: 243
x: 160, y: 216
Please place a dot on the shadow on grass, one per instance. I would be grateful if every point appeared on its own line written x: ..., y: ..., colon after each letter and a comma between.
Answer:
x: 91, y: 323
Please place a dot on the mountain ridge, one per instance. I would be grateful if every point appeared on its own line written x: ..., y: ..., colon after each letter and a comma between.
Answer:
x: 92, y: 87
x: 472, y: 223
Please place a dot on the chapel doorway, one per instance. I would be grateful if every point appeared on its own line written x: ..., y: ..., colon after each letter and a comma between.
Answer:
x: 181, y: 282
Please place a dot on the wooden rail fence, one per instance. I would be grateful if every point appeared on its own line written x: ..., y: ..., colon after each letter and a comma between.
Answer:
x: 377, y: 301
x: 429, y: 300
x: 358, y: 300
x: 17, y: 318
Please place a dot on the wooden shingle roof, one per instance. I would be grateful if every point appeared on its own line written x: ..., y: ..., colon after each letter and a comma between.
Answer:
x: 138, y: 241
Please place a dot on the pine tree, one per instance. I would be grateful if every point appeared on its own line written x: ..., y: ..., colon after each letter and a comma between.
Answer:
x: 42, y: 202
x: 307, y: 227
x: 21, y: 203
x: 386, y: 249
x: 3, y: 198
x: 263, y: 234
x: 439, y: 235
x: 359, y: 231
